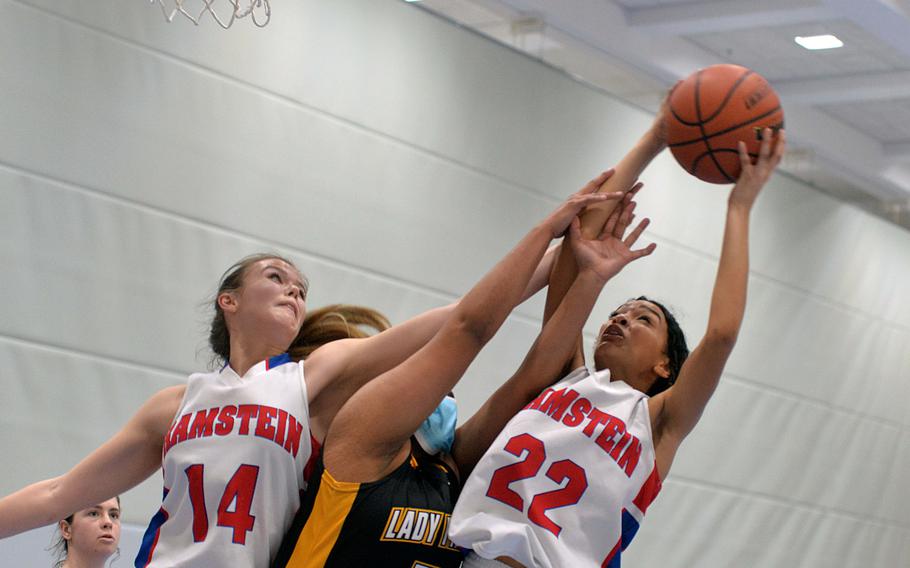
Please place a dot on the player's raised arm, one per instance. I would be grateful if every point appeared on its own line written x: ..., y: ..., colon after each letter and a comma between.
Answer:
x: 621, y: 178
x: 338, y: 369
x: 599, y: 259
x: 679, y: 408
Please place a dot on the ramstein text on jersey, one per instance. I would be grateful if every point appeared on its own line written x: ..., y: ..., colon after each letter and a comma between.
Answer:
x: 614, y: 439
x: 266, y: 422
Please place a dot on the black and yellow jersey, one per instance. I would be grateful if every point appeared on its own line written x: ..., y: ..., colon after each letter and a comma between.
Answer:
x: 399, y: 521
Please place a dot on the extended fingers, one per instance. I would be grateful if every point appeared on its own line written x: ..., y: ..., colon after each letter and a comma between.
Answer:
x: 575, y: 229
x: 582, y: 201
x: 767, y: 138
x: 744, y: 160
x: 610, y: 225
x: 636, y: 254
x: 625, y: 218
x: 636, y: 232
x: 595, y: 184
x: 779, y: 147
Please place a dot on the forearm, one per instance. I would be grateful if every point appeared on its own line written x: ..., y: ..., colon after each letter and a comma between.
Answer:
x: 728, y: 301
x: 29, y: 508
x: 558, y: 339
x: 487, y: 304
x: 540, y: 368
x: 625, y: 174
x: 541, y: 276
x: 370, y: 430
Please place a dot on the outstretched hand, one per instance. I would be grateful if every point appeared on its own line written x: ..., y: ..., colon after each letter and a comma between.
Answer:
x: 558, y: 221
x: 754, y: 177
x: 609, y: 253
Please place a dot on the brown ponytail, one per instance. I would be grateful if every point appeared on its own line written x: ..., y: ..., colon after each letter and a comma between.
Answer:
x: 337, y: 321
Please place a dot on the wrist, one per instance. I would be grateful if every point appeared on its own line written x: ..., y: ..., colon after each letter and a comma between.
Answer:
x: 654, y: 140
x: 739, y: 206
x: 589, y: 275
x: 544, y: 228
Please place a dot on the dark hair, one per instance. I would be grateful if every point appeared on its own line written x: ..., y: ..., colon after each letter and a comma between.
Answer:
x: 60, y: 547
x: 677, y: 349
x: 321, y: 326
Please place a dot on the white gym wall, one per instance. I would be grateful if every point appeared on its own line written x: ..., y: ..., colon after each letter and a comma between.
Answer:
x: 396, y: 157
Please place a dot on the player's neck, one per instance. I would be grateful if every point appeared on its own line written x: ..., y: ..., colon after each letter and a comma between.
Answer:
x: 76, y: 560
x: 245, y: 355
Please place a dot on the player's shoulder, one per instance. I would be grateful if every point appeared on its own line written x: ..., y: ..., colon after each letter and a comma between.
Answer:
x: 169, y: 399
x: 156, y: 415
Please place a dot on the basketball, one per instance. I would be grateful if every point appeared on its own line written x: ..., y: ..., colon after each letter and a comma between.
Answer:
x: 711, y: 111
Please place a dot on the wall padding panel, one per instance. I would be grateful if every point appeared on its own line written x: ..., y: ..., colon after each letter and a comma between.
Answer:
x: 396, y: 157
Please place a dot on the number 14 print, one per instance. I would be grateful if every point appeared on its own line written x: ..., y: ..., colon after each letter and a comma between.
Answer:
x: 534, y: 456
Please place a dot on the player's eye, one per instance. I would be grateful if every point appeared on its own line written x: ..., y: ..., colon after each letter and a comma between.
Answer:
x: 646, y: 319
x: 275, y: 276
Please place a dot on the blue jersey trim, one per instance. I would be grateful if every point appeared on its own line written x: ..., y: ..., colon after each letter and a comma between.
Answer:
x: 629, y: 528
x: 277, y: 360
x: 150, y: 538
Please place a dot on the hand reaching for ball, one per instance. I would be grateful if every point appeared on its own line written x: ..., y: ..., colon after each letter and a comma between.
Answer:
x: 754, y: 176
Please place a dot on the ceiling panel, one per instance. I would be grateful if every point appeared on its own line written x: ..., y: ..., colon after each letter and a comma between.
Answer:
x: 888, y: 121
x: 772, y: 52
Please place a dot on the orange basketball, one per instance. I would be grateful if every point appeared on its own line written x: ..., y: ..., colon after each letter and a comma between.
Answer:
x: 712, y: 110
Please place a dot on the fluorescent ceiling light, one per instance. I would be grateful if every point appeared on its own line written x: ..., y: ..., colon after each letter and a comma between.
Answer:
x: 819, y: 41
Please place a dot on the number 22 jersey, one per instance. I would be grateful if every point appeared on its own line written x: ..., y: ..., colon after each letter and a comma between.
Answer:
x: 567, y: 481
x: 233, y: 466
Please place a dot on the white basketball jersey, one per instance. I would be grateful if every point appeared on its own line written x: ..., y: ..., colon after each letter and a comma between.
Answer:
x: 233, y: 467
x: 568, y: 480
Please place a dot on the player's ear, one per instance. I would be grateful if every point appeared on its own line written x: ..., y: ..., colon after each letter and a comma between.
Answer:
x: 228, y: 301
x: 662, y: 368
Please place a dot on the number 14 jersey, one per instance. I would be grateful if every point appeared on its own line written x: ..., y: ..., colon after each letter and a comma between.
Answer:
x: 233, y: 465
x: 568, y: 480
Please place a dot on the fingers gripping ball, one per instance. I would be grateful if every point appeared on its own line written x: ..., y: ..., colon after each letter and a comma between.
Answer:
x: 712, y: 110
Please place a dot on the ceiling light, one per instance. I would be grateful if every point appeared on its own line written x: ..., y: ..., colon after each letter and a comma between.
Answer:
x: 819, y: 41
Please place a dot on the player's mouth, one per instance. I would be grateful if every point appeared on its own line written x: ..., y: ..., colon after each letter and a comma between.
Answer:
x: 291, y: 306
x: 613, y: 333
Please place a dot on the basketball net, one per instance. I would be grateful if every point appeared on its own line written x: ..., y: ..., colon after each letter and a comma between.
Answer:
x: 258, y: 10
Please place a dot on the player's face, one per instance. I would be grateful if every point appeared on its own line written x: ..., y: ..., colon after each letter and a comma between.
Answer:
x: 272, y: 300
x: 95, y: 531
x: 633, y: 343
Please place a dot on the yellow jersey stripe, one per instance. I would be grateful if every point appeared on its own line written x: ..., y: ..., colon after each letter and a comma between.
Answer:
x: 331, y: 508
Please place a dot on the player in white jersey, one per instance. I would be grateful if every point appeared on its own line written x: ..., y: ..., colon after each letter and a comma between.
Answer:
x: 232, y: 445
x: 570, y: 478
x: 233, y: 468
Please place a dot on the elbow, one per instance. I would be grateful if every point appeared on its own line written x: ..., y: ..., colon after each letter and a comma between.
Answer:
x: 723, y: 337
x: 475, y: 328
x: 54, y: 495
